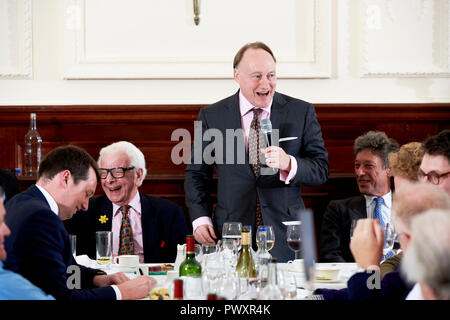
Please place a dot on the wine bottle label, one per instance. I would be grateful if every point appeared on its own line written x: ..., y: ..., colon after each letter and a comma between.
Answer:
x: 245, y: 239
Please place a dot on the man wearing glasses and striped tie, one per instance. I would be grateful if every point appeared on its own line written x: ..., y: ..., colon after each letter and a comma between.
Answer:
x: 141, y: 225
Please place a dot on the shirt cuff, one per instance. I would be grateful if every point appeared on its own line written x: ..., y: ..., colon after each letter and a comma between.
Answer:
x: 286, y: 176
x: 201, y: 221
x: 117, y: 291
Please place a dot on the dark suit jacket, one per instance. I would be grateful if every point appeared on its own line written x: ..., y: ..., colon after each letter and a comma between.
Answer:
x: 335, y: 235
x: 237, y: 185
x: 39, y: 249
x: 392, y: 287
x: 163, y: 227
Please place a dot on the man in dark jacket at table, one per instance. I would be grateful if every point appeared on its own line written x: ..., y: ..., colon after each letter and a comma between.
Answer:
x: 157, y: 225
x: 39, y: 247
x: 373, y: 177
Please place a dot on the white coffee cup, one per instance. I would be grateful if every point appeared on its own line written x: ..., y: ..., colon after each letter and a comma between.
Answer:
x: 327, y: 273
x: 127, y: 261
x: 296, y: 265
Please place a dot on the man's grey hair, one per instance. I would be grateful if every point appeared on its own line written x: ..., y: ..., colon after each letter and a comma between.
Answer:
x: 414, y: 198
x: 377, y: 142
x: 427, y: 259
x: 135, y: 155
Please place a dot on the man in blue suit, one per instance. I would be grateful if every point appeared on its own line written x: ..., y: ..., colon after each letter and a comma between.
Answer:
x: 39, y: 246
x: 245, y: 192
x: 157, y: 225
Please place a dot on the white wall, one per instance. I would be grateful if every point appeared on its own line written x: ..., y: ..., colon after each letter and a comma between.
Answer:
x: 328, y: 51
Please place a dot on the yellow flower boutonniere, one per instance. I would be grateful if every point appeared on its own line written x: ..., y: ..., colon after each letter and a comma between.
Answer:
x: 103, y: 219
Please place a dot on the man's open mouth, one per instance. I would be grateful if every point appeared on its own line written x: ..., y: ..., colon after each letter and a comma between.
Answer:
x: 263, y: 94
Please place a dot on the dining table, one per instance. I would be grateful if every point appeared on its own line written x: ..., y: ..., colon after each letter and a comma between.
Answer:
x: 341, y: 272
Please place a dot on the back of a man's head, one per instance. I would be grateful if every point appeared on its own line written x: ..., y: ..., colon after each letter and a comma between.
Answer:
x: 69, y: 157
x: 415, y: 198
x: 427, y: 260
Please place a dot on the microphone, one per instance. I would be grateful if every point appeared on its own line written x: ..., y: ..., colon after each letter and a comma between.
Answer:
x: 266, y: 129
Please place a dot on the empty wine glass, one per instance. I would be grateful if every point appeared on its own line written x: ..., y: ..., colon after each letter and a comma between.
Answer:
x: 293, y: 239
x: 389, y: 238
x: 232, y: 230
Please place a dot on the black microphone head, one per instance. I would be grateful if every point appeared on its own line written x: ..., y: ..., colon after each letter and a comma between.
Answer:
x: 266, y: 126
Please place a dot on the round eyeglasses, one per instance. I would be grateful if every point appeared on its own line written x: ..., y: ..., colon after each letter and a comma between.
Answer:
x: 433, y: 177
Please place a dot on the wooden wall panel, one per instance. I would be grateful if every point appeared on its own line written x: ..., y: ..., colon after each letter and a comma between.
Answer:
x: 150, y: 128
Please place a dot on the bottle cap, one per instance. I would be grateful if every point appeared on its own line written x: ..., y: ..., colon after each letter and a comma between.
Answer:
x: 190, y: 244
x: 178, y: 289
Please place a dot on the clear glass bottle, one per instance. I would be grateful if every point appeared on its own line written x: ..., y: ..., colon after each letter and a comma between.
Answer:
x: 246, y: 265
x: 271, y: 291
x: 191, y: 271
x: 33, y: 144
x: 262, y: 256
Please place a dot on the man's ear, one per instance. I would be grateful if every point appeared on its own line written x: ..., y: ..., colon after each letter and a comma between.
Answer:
x: 389, y: 172
x: 236, y: 75
x: 64, y: 178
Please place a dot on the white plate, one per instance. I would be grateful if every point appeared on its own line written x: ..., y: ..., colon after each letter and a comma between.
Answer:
x: 292, y: 223
x: 327, y: 281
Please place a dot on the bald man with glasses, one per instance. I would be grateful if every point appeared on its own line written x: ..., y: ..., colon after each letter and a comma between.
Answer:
x: 141, y: 225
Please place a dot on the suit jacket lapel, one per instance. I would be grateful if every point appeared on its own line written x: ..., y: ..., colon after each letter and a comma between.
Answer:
x: 277, y: 114
x: 104, y: 216
x: 150, y: 233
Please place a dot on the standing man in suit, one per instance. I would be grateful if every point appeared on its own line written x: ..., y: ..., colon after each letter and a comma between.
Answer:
x: 157, y: 225
x: 373, y: 178
x: 244, y: 193
x: 39, y: 246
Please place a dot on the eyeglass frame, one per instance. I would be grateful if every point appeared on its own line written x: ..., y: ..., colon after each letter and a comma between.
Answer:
x: 112, y: 175
x: 432, y: 176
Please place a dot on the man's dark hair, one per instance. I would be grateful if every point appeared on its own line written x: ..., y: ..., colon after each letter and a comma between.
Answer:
x: 438, y: 144
x: 253, y: 45
x: 69, y: 157
x: 377, y: 142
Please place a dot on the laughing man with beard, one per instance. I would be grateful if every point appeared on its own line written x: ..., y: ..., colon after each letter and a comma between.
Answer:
x: 373, y: 178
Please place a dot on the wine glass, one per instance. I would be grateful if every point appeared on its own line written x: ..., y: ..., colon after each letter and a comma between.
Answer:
x: 232, y: 230
x: 389, y: 238
x: 270, y: 237
x: 293, y: 239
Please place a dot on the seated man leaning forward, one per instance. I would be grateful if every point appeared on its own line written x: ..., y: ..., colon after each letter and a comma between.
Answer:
x: 39, y: 247
x: 157, y: 225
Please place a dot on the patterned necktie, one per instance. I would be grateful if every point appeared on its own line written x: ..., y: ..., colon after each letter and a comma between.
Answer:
x: 126, y: 244
x: 377, y: 215
x: 255, y: 142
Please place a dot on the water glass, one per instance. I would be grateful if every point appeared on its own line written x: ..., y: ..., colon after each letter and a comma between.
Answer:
x: 104, y: 244
x: 232, y: 230
x: 73, y: 244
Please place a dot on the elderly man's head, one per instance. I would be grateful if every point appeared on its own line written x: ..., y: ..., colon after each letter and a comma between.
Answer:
x: 122, y: 171
x: 427, y: 260
x: 411, y: 200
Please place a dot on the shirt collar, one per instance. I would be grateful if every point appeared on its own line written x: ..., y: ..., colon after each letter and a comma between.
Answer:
x: 245, y: 106
x: 135, y: 203
x: 51, y: 202
x: 387, y: 199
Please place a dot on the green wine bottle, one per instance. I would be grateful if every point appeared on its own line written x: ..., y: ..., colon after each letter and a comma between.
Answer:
x: 191, y: 272
x: 190, y: 267
x: 245, y: 266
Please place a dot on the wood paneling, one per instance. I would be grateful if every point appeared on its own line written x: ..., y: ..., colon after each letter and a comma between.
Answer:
x: 150, y: 128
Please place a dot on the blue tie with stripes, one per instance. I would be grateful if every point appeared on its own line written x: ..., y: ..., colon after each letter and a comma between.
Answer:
x: 377, y: 215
